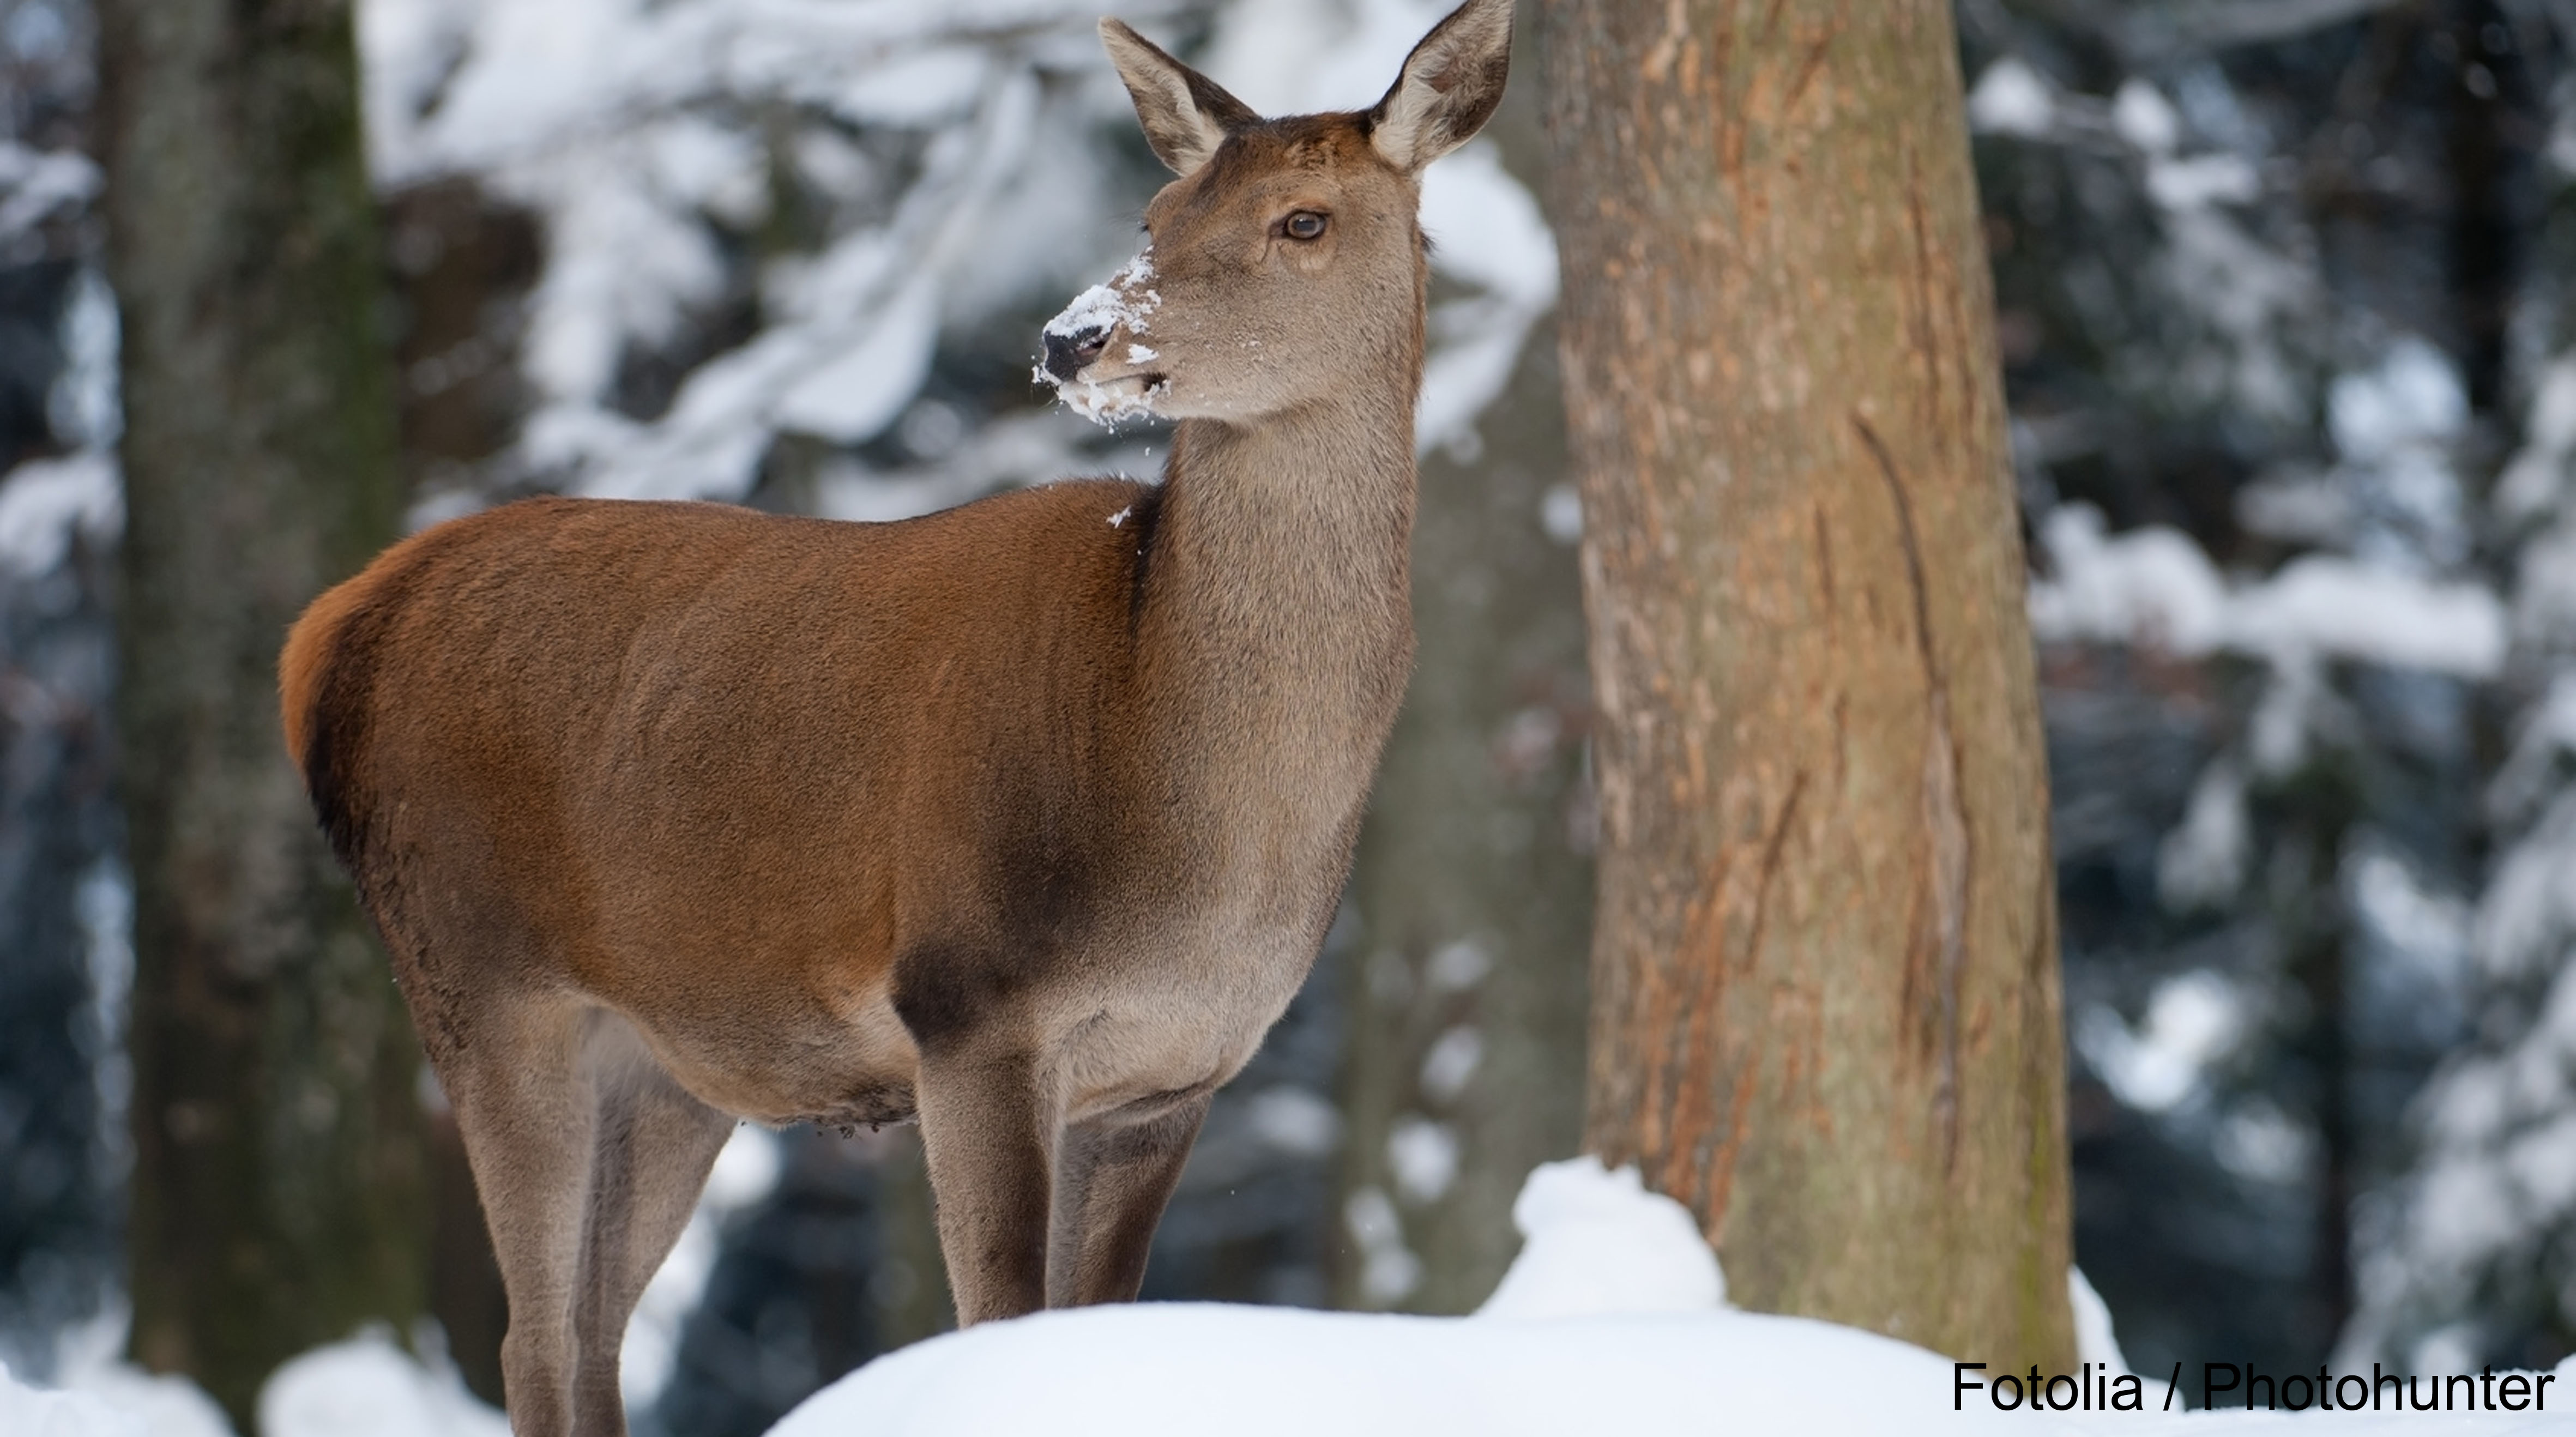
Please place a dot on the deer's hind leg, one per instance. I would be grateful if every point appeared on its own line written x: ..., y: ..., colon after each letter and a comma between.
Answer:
x: 1112, y: 1181
x: 515, y: 1073
x: 653, y: 1144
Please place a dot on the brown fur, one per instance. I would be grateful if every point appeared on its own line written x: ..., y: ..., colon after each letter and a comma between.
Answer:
x: 1026, y: 817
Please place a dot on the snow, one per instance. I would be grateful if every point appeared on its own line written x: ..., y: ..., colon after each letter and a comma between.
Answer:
x: 27, y: 1412
x: 1485, y: 228
x: 1422, y: 1154
x: 2412, y: 396
x: 1388, y: 1269
x: 1294, y: 1120
x: 1613, y: 1318
x: 2544, y: 737
x: 1105, y: 307
x: 44, y: 503
x: 2193, y: 1021
x: 2527, y: 919
x: 1109, y: 406
x: 2397, y: 907
x: 2201, y: 181
x: 634, y: 128
x: 1128, y: 300
x: 2141, y: 115
x: 2154, y: 586
x: 853, y: 396
x: 1560, y: 513
x: 1596, y: 1243
x: 36, y: 185
x: 2249, y: 301
x: 1458, y: 966
x: 2331, y: 605
x: 2202, y: 862
x: 2537, y: 475
x: 83, y: 407
x: 2011, y: 99
x: 370, y: 1386
x: 364, y: 1387
x: 2094, y: 1339
x: 2260, y: 1143
x: 1451, y: 1061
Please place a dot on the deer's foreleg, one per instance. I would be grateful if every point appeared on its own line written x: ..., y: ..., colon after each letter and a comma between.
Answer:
x: 1112, y: 1181
x: 988, y: 1125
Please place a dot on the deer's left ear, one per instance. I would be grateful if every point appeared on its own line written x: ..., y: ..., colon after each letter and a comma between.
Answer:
x: 1451, y: 83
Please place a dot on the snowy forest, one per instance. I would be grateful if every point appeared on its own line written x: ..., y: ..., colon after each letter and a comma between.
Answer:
x: 2285, y: 301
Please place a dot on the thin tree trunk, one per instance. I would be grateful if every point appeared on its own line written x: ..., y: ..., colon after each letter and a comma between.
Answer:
x: 1473, y: 884
x: 279, y: 1193
x: 1825, y: 987
x: 1463, y: 1054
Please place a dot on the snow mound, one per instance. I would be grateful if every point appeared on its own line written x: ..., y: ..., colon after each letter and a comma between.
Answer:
x: 1612, y: 1320
x: 1202, y: 1367
x: 2094, y: 1341
x: 1598, y: 1243
x: 365, y: 1387
x: 26, y: 1412
x: 368, y: 1386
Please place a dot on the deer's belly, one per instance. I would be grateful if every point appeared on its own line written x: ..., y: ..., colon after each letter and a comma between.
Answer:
x: 837, y: 1070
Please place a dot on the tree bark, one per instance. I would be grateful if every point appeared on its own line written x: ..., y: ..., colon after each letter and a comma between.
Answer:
x: 1825, y: 989
x: 279, y: 1192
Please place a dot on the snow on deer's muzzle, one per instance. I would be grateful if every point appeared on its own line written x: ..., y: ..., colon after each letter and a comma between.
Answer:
x: 1076, y: 339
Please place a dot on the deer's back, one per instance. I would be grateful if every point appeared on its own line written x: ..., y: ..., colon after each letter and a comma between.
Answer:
x: 648, y: 750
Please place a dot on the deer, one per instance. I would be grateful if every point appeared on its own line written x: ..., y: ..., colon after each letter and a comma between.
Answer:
x: 1023, y: 820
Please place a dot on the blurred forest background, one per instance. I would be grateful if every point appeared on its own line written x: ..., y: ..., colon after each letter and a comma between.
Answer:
x: 2287, y: 296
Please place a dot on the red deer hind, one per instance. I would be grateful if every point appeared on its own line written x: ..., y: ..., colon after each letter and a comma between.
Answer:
x: 1025, y: 818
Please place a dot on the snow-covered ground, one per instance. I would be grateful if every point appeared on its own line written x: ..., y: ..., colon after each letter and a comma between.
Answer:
x: 1612, y: 1320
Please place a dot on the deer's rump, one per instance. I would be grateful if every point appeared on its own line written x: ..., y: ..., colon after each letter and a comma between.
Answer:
x: 643, y: 752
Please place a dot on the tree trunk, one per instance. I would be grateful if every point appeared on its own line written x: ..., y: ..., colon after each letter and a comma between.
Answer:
x: 1473, y: 884
x: 279, y: 1191
x: 1825, y: 991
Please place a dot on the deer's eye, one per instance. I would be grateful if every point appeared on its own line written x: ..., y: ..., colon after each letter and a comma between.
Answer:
x: 1304, y: 225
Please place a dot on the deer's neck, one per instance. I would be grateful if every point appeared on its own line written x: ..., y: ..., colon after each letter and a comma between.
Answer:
x: 1274, y: 626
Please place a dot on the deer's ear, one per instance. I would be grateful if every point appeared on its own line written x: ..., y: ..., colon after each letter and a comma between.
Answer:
x: 1186, y: 115
x: 1451, y: 83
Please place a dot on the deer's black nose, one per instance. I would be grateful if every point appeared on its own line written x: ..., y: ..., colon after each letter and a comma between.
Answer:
x: 1066, y: 354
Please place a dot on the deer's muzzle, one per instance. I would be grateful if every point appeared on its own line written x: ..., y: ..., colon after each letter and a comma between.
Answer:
x: 1066, y: 354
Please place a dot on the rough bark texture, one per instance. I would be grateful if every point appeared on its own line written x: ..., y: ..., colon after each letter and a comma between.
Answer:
x: 1825, y: 987
x: 279, y: 1192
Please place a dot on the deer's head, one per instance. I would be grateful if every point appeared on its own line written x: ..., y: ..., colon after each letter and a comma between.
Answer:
x: 1285, y: 265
